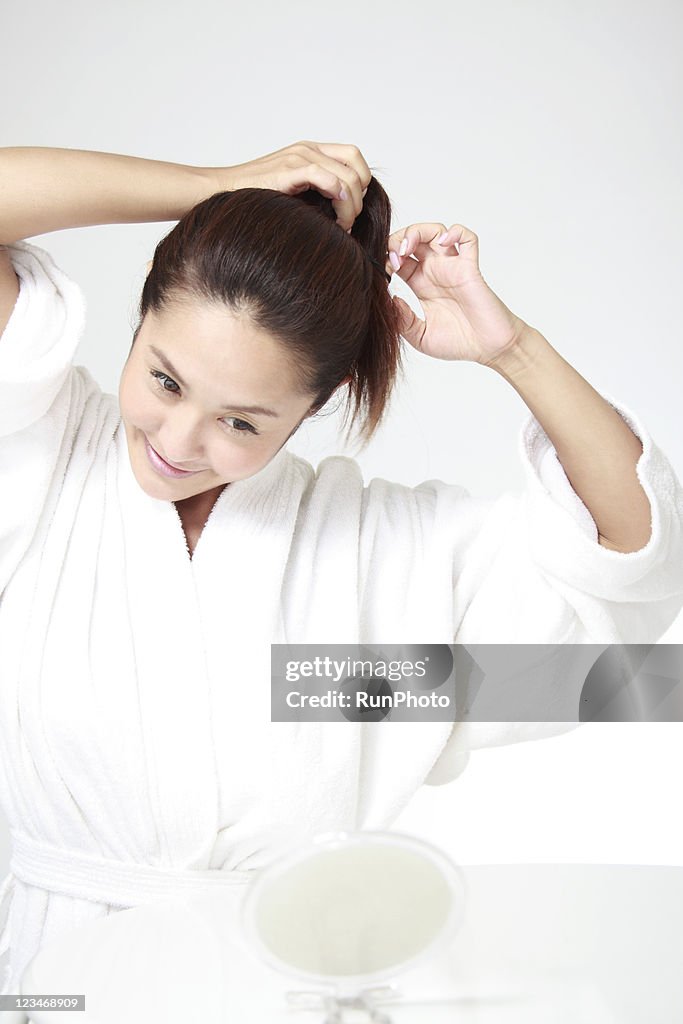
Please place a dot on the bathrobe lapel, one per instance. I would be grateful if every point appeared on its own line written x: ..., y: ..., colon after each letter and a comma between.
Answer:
x: 174, y: 700
x: 305, y: 774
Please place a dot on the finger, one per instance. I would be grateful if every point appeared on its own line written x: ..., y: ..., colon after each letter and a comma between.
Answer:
x: 417, y: 240
x: 410, y: 326
x: 353, y: 173
x: 407, y: 267
x: 466, y: 241
x: 329, y: 182
x: 407, y: 246
x: 350, y: 155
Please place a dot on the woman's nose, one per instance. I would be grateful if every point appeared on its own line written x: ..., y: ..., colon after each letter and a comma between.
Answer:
x: 182, y: 444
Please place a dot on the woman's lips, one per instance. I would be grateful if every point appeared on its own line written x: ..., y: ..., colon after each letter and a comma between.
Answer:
x: 162, y: 466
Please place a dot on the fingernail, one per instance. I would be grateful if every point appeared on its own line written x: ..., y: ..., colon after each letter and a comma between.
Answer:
x: 343, y: 194
x: 395, y: 262
x: 404, y: 247
x: 442, y: 236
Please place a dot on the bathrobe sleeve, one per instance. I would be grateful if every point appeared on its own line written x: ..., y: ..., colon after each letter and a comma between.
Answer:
x: 533, y: 572
x: 42, y: 397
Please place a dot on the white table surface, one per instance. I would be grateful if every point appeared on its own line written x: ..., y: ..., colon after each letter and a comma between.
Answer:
x: 581, y: 944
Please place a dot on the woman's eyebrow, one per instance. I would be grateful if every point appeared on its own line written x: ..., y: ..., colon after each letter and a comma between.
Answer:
x: 167, y: 365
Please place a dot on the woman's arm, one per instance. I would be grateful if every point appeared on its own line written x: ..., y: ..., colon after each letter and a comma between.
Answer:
x: 597, y: 449
x: 44, y: 189
x: 465, y: 319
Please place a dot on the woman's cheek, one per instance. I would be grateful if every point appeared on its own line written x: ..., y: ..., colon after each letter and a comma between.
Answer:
x: 133, y: 401
x: 143, y: 409
x: 240, y: 458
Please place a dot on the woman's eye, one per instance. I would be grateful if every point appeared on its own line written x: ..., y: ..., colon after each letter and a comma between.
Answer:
x: 162, y: 379
x: 240, y: 426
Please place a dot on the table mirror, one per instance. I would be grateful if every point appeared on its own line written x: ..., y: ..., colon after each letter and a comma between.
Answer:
x: 352, y: 909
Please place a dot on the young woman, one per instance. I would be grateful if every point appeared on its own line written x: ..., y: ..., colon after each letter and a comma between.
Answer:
x: 153, y: 547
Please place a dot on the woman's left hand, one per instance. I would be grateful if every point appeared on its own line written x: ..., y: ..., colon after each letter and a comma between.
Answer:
x: 464, y: 319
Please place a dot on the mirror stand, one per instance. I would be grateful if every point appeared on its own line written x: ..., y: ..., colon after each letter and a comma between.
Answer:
x: 367, y: 1001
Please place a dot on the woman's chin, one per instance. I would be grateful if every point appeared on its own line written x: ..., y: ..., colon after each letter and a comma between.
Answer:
x: 157, y: 488
x: 153, y: 484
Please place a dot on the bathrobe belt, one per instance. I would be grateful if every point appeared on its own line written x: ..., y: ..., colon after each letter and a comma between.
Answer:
x: 103, y: 879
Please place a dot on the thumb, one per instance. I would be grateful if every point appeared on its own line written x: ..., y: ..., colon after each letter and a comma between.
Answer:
x: 411, y: 327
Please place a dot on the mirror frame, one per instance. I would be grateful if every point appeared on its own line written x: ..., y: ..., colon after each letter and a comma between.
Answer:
x: 451, y: 873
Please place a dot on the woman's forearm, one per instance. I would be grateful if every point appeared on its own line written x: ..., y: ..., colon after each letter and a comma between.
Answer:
x: 45, y: 189
x: 597, y: 449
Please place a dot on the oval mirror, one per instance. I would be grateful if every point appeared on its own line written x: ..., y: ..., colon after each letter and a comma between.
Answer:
x: 353, y: 908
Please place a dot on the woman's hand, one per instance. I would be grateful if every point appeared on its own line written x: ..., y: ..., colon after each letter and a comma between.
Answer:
x: 334, y: 169
x: 464, y: 319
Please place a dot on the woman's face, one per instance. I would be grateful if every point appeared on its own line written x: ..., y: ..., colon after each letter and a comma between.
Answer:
x: 188, y: 394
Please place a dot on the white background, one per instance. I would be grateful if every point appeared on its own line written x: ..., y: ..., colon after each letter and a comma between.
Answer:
x: 552, y: 130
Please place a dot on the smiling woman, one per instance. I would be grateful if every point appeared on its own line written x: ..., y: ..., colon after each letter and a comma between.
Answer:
x: 186, y: 442
x: 222, y: 309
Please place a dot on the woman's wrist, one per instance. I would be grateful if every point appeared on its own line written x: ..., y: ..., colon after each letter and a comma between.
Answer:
x: 47, y: 189
x: 521, y: 357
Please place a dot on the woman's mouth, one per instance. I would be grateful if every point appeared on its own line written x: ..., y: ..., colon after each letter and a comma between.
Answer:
x: 164, y: 467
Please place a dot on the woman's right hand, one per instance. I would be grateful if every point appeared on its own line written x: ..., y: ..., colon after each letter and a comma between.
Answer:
x: 328, y: 167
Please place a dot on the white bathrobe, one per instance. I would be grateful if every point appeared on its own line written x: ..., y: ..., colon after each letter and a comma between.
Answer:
x: 137, y: 751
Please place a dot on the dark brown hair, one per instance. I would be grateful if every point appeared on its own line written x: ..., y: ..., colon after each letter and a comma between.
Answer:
x: 285, y: 262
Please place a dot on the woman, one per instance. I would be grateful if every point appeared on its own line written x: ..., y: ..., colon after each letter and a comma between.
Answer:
x: 152, y: 549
